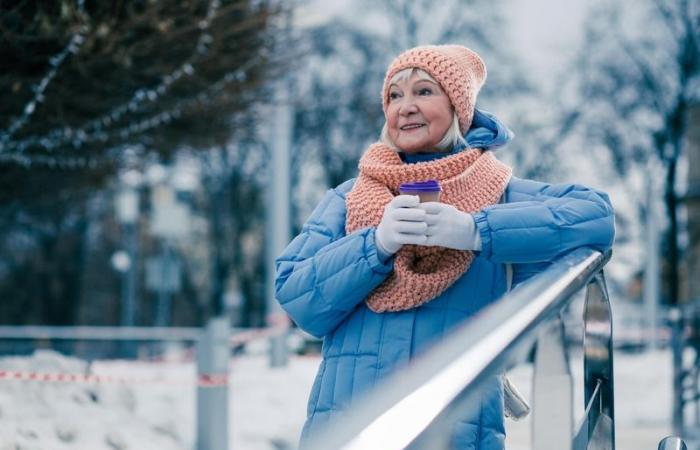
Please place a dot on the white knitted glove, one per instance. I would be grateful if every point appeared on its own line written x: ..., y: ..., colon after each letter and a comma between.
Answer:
x: 403, y: 222
x: 450, y: 227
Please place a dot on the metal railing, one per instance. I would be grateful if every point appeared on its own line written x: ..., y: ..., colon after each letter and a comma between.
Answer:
x: 418, y: 407
x: 99, y: 333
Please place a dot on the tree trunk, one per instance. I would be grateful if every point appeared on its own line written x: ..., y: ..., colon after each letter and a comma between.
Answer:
x: 671, y: 206
x: 219, y: 265
x: 693, y: 205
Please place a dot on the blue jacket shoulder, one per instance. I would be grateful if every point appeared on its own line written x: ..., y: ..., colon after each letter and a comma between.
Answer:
x: 343, y: 188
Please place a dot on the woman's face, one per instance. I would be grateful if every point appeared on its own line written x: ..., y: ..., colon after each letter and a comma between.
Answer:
x: 419, y: 114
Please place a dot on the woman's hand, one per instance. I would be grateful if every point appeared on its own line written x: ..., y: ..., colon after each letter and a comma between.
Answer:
x: 449, y: 227
x: 403, y: 223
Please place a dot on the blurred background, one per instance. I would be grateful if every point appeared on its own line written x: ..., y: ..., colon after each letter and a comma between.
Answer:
x: 155, y: 156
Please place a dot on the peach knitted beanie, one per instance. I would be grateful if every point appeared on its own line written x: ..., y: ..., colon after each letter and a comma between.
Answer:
x: 460, y: 71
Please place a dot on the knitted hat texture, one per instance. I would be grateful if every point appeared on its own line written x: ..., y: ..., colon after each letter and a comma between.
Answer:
x: 460, y: 72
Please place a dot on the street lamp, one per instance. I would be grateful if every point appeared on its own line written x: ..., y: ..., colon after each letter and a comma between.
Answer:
x: 124, y: 261
x: 169, y: 222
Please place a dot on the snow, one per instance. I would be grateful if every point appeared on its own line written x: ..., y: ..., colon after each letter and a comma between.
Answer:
x: 643, y: 395
x: 55, y: 415
x: 156, y: 410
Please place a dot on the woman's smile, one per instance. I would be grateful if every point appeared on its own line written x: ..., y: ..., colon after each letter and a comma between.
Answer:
x: 419, y: 114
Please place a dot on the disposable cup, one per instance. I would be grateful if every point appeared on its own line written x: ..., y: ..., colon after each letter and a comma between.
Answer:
x: 427, y: 191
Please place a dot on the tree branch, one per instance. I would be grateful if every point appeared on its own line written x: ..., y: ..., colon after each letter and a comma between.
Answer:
x: 667, y: 14
x: 653, y: 85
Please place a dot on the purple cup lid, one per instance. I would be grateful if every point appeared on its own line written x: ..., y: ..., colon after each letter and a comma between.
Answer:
x: 421, y: 186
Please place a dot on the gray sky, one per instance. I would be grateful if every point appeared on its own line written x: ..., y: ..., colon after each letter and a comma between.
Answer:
x: 544, y: 32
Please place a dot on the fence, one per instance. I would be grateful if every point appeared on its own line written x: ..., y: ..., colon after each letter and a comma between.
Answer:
x: 213, y: 349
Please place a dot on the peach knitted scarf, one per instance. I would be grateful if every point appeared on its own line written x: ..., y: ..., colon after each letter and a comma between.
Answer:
x: 470, y: 180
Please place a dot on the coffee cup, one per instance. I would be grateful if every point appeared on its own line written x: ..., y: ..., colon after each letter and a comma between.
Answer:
x: 427, y: 191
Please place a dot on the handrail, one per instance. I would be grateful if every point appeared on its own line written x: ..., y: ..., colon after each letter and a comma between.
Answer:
x: 419, y: 405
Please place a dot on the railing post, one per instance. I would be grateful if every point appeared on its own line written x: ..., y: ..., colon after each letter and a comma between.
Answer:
x: 598, y: 365
x: 212, y: 388
x: 552, y: 417
x: 676, y: 319
x: 672, y: 443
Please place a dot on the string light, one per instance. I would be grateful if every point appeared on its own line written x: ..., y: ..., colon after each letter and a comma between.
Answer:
x: 79, y: 137
x: 93, y: 132
x: 73, y: 162
x: 55, y: 62
x: 61, y: 136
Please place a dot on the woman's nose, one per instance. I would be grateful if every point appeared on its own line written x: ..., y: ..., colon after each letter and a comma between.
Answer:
x: 409, y: 106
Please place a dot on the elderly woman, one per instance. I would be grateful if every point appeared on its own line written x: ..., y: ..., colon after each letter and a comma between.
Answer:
x: 379, y: 275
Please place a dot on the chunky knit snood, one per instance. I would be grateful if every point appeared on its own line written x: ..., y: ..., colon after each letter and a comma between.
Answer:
x: 470, y: 180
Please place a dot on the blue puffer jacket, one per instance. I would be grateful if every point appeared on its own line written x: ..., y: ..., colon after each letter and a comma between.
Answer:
x: 324, y: 275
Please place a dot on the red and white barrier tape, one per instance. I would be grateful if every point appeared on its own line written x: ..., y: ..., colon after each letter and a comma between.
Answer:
x: 257, y: 333
x: 213, y: 380
x: 204, y: 380
x: 60, y: 377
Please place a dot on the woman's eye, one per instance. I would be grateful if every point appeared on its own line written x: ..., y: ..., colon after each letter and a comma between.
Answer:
x: 425, y: 91
x: 393, y: 95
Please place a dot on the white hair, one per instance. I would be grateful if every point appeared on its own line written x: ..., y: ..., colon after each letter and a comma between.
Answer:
x: 453, y: 135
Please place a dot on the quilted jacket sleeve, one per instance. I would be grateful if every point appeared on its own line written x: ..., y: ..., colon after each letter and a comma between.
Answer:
x: 539, y: 222
x: 324, y: 274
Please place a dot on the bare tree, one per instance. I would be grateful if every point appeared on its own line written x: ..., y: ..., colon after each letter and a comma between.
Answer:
x: 639, y: 76
x: 635, y: 88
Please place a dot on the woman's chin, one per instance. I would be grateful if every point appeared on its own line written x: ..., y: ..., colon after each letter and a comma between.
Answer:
x: 417, y: 146
x: 412, y: 150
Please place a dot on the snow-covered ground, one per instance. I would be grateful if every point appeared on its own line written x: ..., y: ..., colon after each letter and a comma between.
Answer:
x: 156, y: 409
x: 643, y: 397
